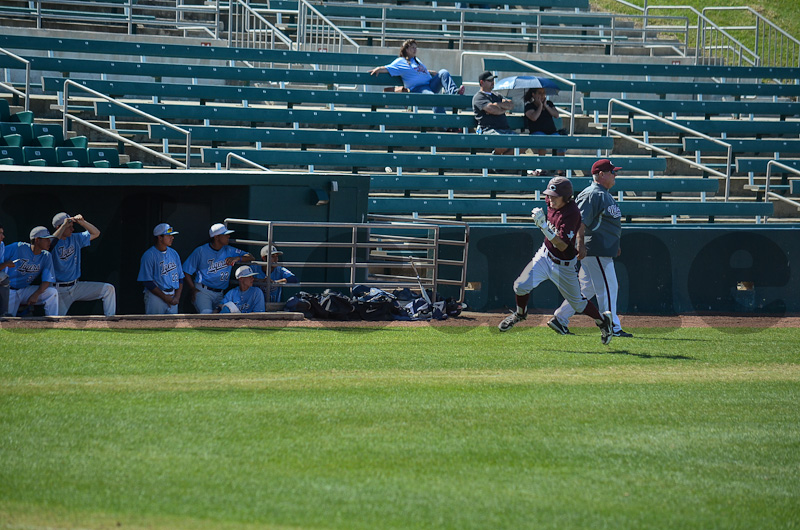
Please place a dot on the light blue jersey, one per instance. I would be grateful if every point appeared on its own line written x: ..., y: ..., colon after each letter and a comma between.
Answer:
x: 278, y: 273
x: 29, y: 267
x: 412, y: 71
x: 67, y: 256
x: 208, y: 265
x: 250, y: 301
x: 162, y: 268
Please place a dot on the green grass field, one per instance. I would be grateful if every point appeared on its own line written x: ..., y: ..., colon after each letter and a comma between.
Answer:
x: 399, y: 428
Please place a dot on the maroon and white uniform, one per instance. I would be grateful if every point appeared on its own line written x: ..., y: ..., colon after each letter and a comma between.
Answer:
x: 555, y: 265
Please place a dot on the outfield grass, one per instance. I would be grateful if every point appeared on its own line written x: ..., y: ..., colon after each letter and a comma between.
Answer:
x: 399, y: 428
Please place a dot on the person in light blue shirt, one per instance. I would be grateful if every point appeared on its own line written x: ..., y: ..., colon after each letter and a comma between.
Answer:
x: 66, y: 250
x: 278, y: 275
x: 244, y: 298
x: 208, y: 268
x: 161, y: 273
x: 4, y: 282
x: 416, y: 77
x: 32, y: 261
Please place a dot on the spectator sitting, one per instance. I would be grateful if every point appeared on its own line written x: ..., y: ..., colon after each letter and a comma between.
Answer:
x: 539, y: 114
x: 416, y: 77
x: 490, y: 110
x: 244, y: 299
x: 277, y: 275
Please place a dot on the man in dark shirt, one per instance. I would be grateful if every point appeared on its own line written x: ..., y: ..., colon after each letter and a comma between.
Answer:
x: 557, y: 258
x: 490, y: 110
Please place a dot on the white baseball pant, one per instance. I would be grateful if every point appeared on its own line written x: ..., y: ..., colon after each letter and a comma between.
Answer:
x: 597, y: 278
x: 49, y: 299
x: 205, y: 300
x: 543, y: 267
x: 154, y: 305
x: 86, y: 291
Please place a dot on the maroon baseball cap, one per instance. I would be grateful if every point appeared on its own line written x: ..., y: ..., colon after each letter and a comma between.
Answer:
x: 559, y: 187
x: 604, y: 165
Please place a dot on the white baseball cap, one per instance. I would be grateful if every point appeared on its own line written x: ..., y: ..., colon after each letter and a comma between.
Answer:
x: 218, y: 230
x: 164, y: 229
x: 266, y: 250
x: 59, y: 219
x: 41, y: 232
x: 245, y: 272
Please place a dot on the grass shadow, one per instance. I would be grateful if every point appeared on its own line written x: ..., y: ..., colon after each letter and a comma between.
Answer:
x: 633, y: 354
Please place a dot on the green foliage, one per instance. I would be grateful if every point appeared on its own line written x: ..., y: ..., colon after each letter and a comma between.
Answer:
x: 399, y: 428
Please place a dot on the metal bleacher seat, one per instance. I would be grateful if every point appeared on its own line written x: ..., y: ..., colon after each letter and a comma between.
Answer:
x: 39, y: 156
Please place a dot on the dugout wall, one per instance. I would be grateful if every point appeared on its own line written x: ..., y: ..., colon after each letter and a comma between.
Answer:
x: 663, y: 269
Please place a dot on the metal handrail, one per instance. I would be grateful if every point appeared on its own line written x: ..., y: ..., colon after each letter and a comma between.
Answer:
x: 428, y: 245
x: 697, y: 165
x: 302, y: 26
x: 246, y: 161
x: 709, y: 23
x: 534, y: 68
x: 772, y: 194
x: 249, y: 10
x: 65, y: 111
x: 772, y: 26
x: 27, y: 64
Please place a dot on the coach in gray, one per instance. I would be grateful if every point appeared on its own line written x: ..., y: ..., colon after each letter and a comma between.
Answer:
x: 602, y: 223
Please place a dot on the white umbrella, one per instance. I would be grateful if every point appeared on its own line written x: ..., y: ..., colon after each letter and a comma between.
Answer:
x: 514, y: 87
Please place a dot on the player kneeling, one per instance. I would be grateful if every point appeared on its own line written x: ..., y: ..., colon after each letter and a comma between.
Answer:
x: 557, y: 259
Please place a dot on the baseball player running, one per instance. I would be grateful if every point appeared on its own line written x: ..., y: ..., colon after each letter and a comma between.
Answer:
x: 603, y: 228
x: 66, y: 250
x: 556, y: 259
x: 32, y: 261
x: 208, y: 268
x: 161, y: 273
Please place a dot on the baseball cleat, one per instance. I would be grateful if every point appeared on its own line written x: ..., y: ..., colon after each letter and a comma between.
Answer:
x: 510, y: 320
x: 558, y: 327
x: 622, y: 333
x: 606, y: 325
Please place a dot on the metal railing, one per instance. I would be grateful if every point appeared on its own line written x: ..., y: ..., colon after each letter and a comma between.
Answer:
x: 531, y: 30
x: 365, y: 251
x: 645, y: 144
x: 528, y: 66
x: 771, y: 194
x: 231, y: 156
x: 773, y: 46
x: 67, y: 116
x: 127, y: 13
x: 247, y: 28
x: 713, y: 45
x: 24, y: 95
x: 315, y: 32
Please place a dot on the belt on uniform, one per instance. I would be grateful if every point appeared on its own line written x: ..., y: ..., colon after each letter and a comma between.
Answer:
x: 211, y: 288
x: 171, y: 291
x: 67, y: 284
x: 557, y: 261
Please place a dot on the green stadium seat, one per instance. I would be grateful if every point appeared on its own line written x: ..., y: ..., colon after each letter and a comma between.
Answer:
x: 104, y: 157
x: 50, y: 135
x: 72, y: 156
x: 39, y: 156
x: 11, y: 156
x: 24, y: 116
x: 17, y: 134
